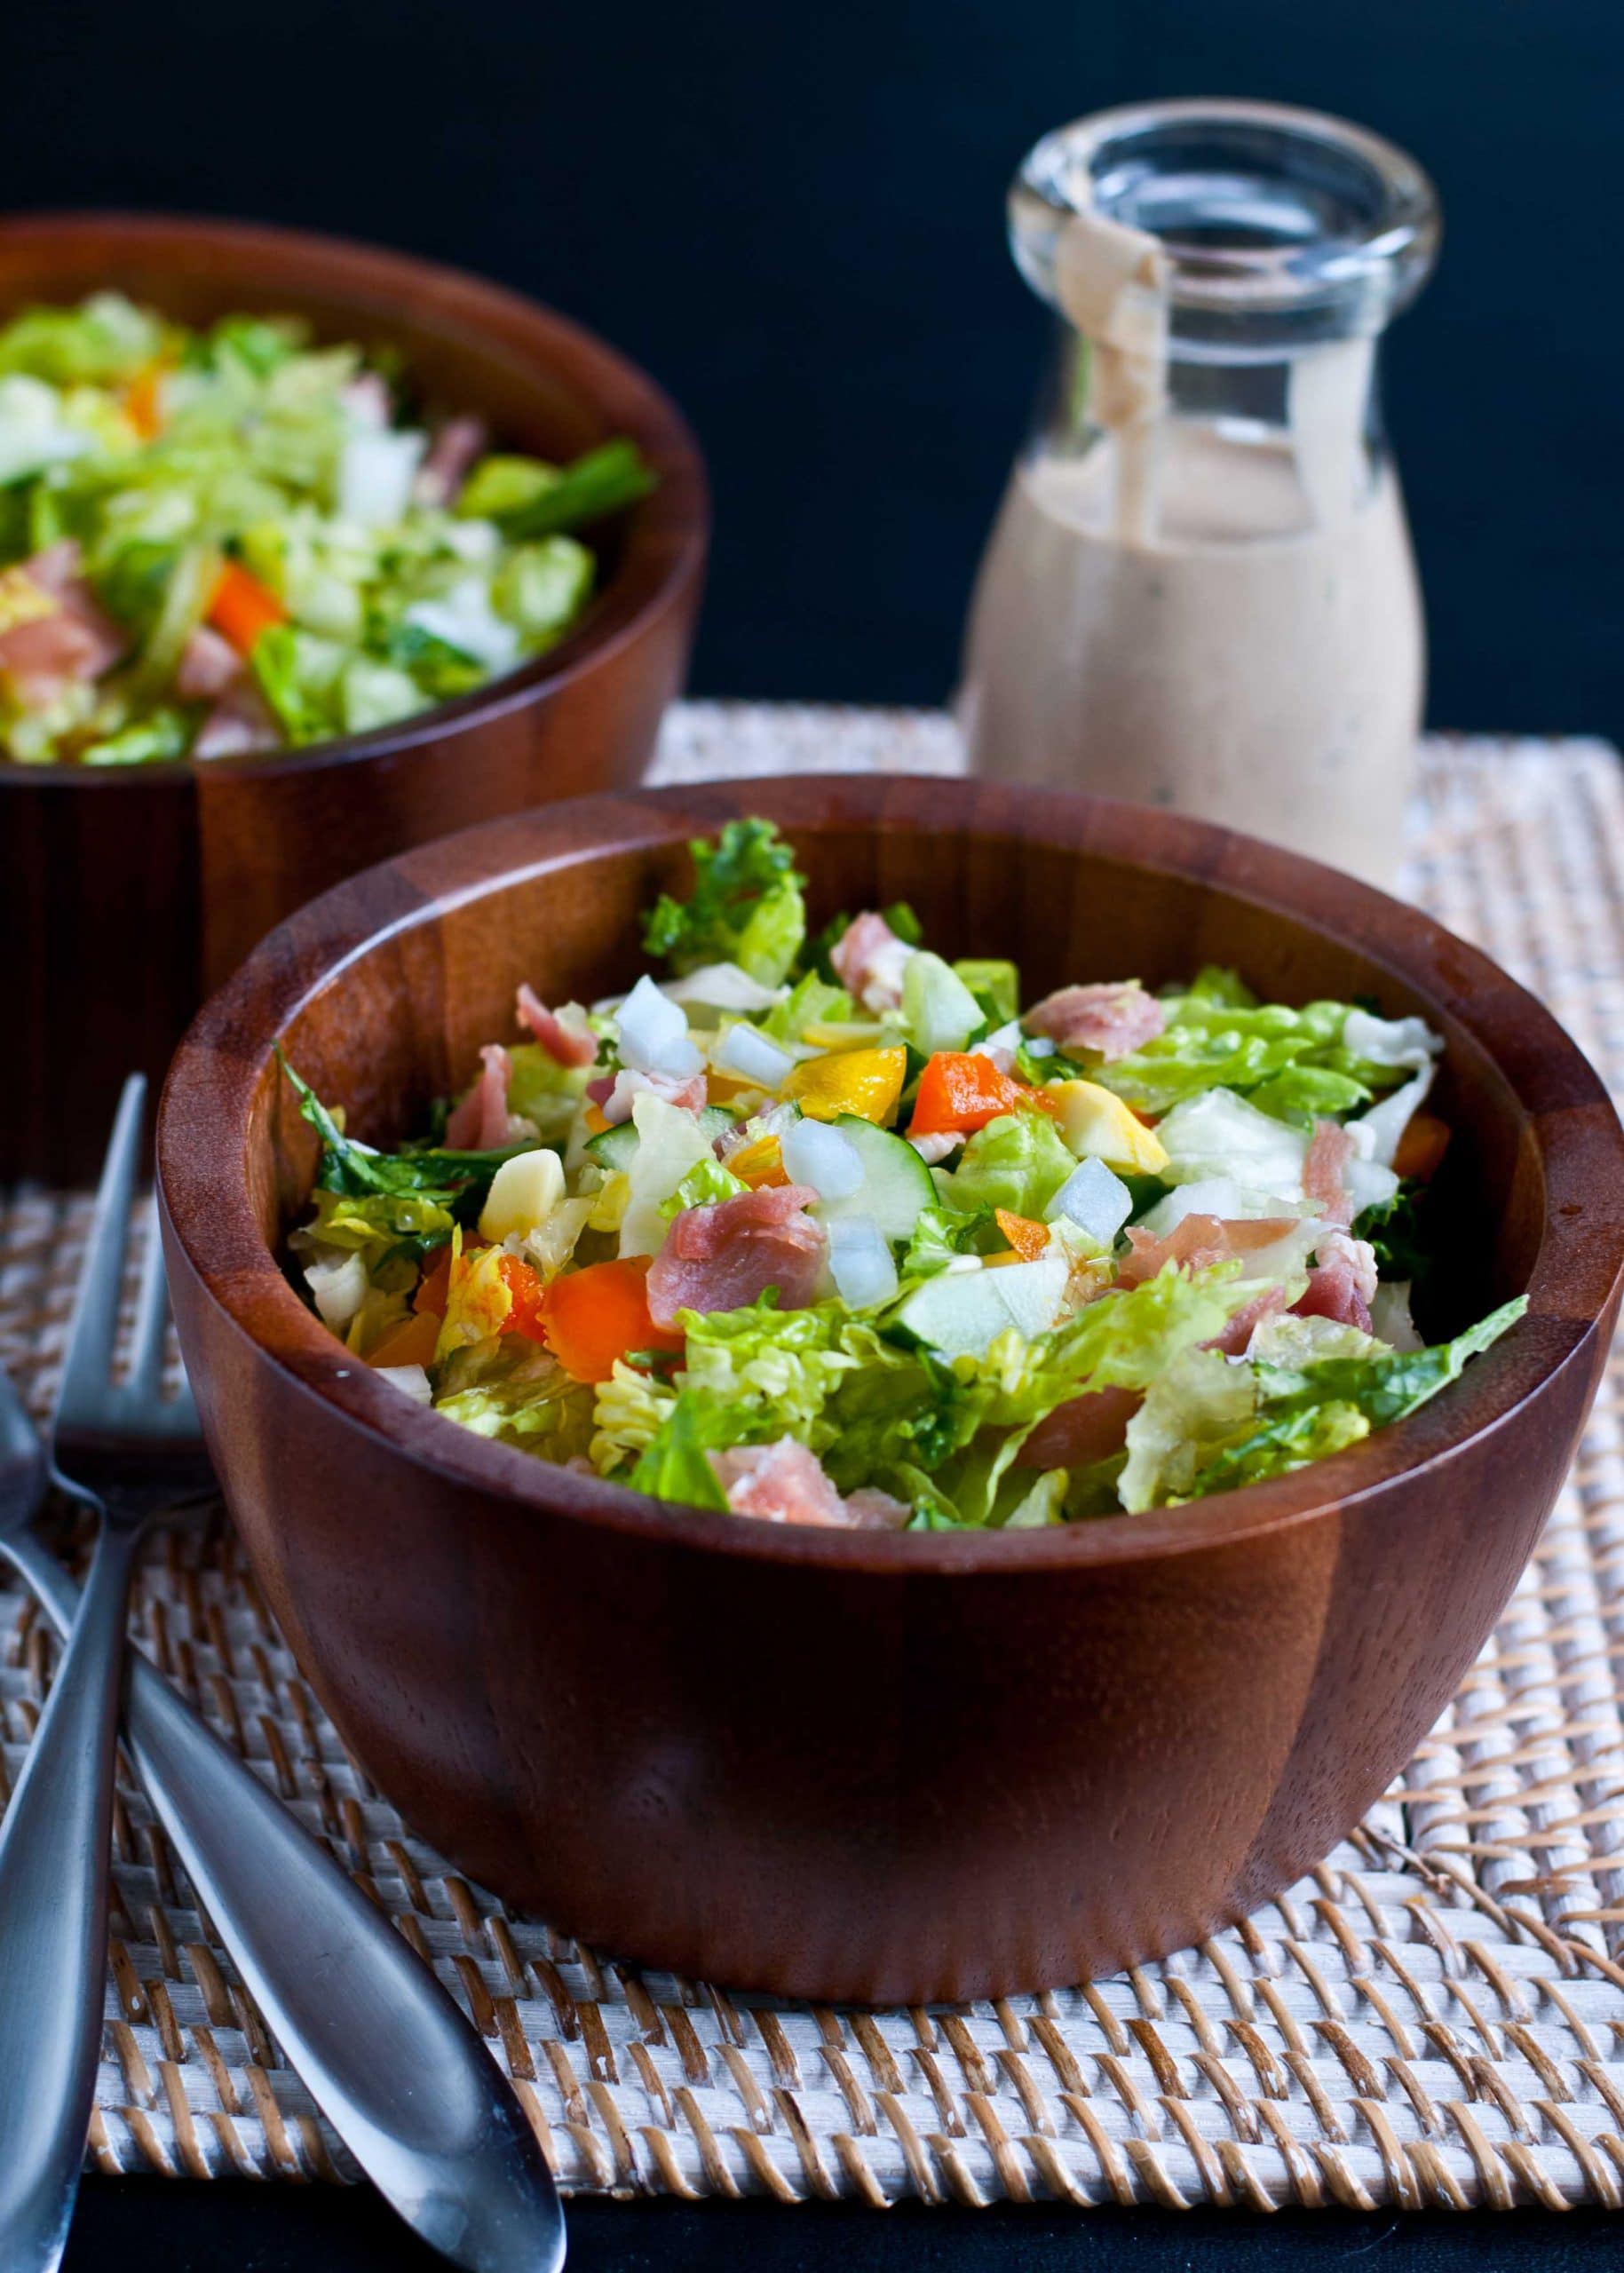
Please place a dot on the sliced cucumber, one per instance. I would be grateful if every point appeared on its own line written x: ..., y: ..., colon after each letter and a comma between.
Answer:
x: 612, y: 1148
x: 940, y: 1010
x: 961, y: 1313
x: 896, y: 1181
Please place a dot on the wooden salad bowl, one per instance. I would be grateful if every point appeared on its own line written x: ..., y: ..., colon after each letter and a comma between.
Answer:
x: 855, y: 1764
x: 127, y: 894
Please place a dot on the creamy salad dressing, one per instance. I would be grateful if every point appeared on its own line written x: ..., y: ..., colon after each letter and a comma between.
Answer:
x: 1244, y: 659
x: 1200, y: 593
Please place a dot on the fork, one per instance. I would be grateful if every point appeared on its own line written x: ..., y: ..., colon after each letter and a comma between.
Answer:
x: 361, y: 2018
x: 130, y: 1454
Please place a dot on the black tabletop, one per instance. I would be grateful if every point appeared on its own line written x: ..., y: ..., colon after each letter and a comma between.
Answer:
x: 157, y: 2225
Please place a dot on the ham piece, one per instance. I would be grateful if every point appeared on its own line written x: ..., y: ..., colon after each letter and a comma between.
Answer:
x: 1236, y: 1338
x: 1341, y: 1282
x: 479, y: 1124
x: 1325, y: 1171
x: 869, y: 961
x: 783, y: 1483
x: 1111, y: 1020
x: 1082, y: 1431
x: 450, y: 460
x: 77, y: 640
x: 240, y: 725
x: 726, y: 1256
x: 565, y: 1045
x: 209, y: 667
x: 1197, y: 1243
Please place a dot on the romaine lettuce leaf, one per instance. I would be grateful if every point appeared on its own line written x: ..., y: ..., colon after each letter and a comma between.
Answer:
x: 675, y: 1466
x: 746, y: 906
x: 1219, y: 1036
x: 1386, y: 1384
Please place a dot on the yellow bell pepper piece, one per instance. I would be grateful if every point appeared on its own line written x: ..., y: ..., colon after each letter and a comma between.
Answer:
x: 865, y: 1082
x: 1096, y: 1122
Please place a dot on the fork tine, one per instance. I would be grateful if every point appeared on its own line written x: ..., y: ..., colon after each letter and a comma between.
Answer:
x: 152, y: 1313
x: 88, y: 1366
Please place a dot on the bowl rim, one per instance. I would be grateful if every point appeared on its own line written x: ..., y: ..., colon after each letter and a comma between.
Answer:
x: 674, y: 518
x: 1573, y: 1284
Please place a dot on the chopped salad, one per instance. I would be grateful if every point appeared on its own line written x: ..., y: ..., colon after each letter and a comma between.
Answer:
x: 840, y: 1232
x: 223, y: 542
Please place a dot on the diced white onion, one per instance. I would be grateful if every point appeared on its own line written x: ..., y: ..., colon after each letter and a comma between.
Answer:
x: 1001, y: 1046
x: 751, y: 1054
x: 723, y: 987
x: 860, y: 1260
x: 337, y: 1284
x: 1097, y: 1201
x: 654, y: 1033
x: 377, y: 468
x: 1389, y: 1316
x: 1377, y: 1131
x: 476, y: 540
x: 465, y: 619
x: 1220, y: 1196
x: 1390, y: 1041
x: 936, y: 1145
x: 1039, y: 1045
x: 814, y: 1153
x: 411, y: 1379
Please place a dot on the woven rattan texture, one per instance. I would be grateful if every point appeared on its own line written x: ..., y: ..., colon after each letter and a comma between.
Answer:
x: 1435, y: 2016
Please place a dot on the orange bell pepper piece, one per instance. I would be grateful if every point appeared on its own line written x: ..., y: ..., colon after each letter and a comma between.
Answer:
x: 434, y: 1286
x: 410, y: 1344
x: 240, y: 607
x: 759, y: 1162
x: 590, y: 1317
x: 961, y: 1092
x: 1421, y: 1147
x: 1028, y: 1239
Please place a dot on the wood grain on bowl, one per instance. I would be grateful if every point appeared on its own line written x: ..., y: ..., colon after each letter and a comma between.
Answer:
x: 850, y: 1764
x: 125, y: 898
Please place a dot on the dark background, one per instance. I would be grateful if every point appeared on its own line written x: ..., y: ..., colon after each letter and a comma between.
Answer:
x: 793, y: 216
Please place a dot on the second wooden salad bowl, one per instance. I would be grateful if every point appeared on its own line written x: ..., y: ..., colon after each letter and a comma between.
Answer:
x: 851, y: 1764
x: 127, y: 894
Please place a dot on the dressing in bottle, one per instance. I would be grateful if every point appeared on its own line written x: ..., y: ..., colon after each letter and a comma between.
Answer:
x: 1200, y: 591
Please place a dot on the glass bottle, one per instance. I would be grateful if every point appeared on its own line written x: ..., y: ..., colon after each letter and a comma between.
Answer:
x: 1200, y: 590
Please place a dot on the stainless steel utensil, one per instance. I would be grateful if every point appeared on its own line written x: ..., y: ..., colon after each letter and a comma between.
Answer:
x: 128, y: 1452
x: 359, y: 2017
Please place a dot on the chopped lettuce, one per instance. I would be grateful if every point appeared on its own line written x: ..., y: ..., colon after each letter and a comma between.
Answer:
x: 163, y: 453
x: 812, y: 1001
x: 454, y: 1180
x: 675, y: 1466
x: 1016, y: 1162
x: 942, y: 1234
x: 1217, y: 1036
x: 706, y: 1183
x: 510, y: 1389
x: 746, y: 906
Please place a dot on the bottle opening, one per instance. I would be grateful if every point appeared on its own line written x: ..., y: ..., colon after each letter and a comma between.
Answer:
x: 1263, y: 212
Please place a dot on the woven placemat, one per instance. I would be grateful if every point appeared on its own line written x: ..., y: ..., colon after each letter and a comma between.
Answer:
x: 1435, y: 2016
